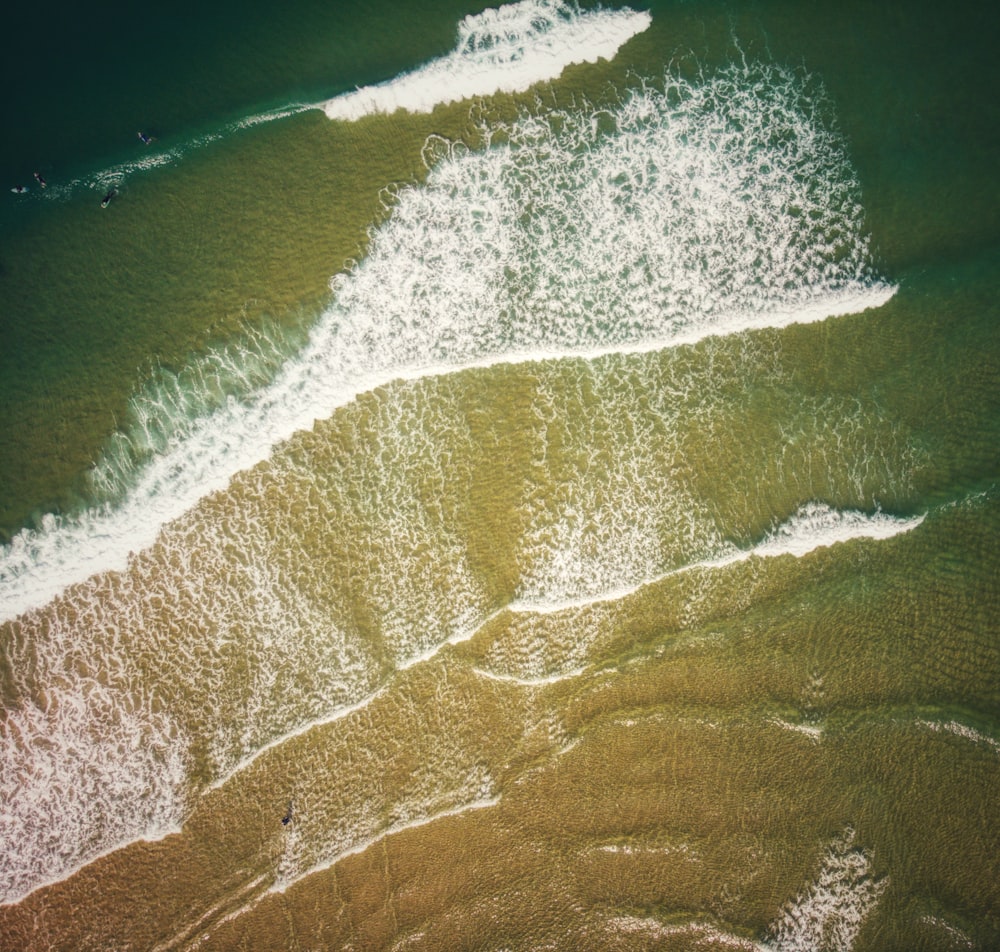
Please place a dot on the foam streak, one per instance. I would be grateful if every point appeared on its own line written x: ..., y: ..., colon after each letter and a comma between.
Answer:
x: 813, y: 527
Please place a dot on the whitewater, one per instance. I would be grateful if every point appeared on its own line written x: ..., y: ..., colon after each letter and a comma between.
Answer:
x: 504, y: 50
x: 700, y: 207
x: 686, y: 209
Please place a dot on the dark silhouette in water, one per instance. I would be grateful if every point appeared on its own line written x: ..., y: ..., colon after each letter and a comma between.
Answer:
x: 107, y: 198
x: 145, y: 139
x: 39, y: 179
x: 287, y: 818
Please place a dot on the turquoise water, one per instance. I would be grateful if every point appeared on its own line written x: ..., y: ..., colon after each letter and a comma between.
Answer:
x: 573, y: 508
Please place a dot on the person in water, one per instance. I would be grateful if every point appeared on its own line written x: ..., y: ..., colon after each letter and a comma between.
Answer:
x: 107, y: 198
x: 39, y: 179
x: 19, y: 189
x: 145, y: 139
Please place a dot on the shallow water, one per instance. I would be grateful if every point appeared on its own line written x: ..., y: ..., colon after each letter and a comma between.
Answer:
x: 573, y: 509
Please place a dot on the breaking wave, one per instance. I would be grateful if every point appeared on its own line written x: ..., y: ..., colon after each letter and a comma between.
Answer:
x: 705, y: 207
x: 503, y: 50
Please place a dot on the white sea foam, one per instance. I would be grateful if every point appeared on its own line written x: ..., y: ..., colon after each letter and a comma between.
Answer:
x: 816, y: 525
x: 545, y: 661
x: 964, y: 731
x: 534, y: 651
x: 941, y: 929
x: 508, y: 49
x: 813, y: 526
x: 695, y: 934
x: 537, y: 682
x: 111, y: 703
x: 723, y: 204
x: 70, y: 794
x: 720, y: 205
x: 829, y: 913
x: 812, y: 731
x: 254, y: 894
x: 157, y: 155
x: 402, y: 826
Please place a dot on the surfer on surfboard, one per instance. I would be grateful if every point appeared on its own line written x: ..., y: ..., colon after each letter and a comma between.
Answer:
x: 144, y: 139
x: 39, y: 179
x: 107, y: 198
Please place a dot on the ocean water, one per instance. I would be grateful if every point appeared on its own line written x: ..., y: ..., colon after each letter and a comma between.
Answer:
x: 504, y: 478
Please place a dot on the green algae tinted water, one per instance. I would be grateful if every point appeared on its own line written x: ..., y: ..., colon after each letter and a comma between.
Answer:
x: 573, y: 512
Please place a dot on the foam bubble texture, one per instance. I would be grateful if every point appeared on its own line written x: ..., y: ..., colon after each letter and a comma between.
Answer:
x: 705, y: 208
x: 533, y: 648
x: 508, y: 49
x: 714, y: 206
x: 621, y: 501
x: 609, y: 507
x: 830, y: 912
x: 81, y: 773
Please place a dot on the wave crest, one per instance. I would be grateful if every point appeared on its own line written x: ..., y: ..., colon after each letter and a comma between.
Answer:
x: 508, y: 49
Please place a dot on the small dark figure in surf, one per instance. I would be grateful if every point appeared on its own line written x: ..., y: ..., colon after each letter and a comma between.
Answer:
x: 145, y: 139
x: 19, y: 189
x: 107, y: 198
x: 39, y: 179
x: 287, y: 818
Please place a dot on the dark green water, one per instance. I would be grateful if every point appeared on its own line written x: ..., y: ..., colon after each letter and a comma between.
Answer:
x: 95, y: 299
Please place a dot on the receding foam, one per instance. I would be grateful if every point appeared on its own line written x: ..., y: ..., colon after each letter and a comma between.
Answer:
x: 71, y: 793
x: 504, y: 50
x: 814, y: 526
x: 830, y: 912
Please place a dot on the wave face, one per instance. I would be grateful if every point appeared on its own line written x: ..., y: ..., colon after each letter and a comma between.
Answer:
x: 503, y: 50
x: 708, y: 207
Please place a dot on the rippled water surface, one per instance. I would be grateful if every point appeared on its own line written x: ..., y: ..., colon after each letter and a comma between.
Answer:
x: 560, y: 512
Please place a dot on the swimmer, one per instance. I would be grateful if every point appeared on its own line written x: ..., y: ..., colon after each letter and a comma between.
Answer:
x: 145, y: 139
x: 39, y: 179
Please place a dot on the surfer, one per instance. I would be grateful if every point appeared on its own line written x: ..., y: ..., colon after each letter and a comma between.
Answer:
x: 287, y: 818
x: 39, y: 179
x: 107, y: 198
x: 19, y: 189
x: 145, y: 139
